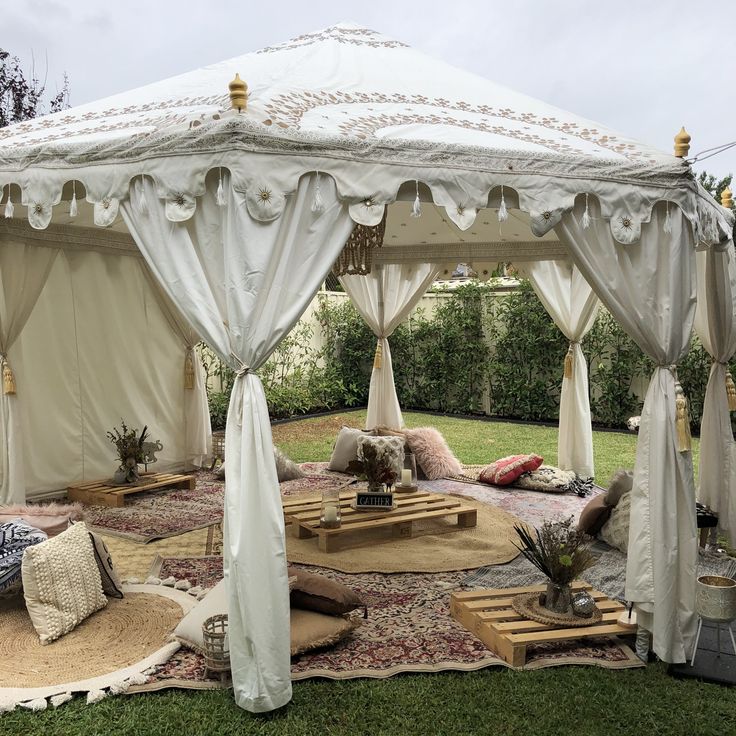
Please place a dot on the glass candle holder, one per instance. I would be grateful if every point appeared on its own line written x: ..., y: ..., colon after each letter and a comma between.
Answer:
x: 408, y: 479
x: 330, y: 517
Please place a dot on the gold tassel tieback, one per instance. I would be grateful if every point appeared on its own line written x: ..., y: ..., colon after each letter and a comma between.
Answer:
x: 569, y: 360
x: 730, y: 391
x: 189, y: 371
x: 378, y: 357
x: 8, y: 379
x: 682, y: 419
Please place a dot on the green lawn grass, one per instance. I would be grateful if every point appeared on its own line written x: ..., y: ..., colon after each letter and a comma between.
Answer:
x: 561, y: 701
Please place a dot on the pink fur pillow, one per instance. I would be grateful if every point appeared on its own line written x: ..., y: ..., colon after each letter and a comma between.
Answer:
x: 432, y: 453
x: 52, y: 518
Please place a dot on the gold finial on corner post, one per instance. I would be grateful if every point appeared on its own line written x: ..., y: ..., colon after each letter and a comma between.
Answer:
x: 238, y: 94
x: 727, y: 198
x: 682, y: 143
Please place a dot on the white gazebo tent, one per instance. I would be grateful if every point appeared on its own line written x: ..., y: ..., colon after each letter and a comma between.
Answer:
x: 240, y: 215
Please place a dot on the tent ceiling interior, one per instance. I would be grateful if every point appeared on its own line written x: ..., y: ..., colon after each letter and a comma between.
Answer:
x: 240, y: 214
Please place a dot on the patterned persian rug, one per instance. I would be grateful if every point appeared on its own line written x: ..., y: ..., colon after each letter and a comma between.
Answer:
x: 162, y: 514
x: 408, y: 629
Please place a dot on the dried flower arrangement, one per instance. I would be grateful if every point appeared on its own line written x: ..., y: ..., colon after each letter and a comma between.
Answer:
x: 129, y: 445
x: 560, y: 550
x: 377, y: 463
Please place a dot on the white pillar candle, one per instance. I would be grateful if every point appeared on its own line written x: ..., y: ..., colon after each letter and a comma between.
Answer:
x: 406, y: 477
x: 330, y: 513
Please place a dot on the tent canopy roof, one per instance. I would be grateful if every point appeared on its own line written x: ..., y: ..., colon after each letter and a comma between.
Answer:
x: 367, y: 110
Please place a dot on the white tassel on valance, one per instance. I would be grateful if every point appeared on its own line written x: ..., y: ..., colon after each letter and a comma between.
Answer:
x: 317, y: 205
x: 503, y: 213
x: 9, y: 209
x: 667, y: 227
x: 220, y: 196
x: 416, y: 210
x: 73, y: 211
x: 585, y: 222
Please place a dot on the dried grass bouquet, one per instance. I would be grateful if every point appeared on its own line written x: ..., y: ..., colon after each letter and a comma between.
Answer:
x: 557, y: 549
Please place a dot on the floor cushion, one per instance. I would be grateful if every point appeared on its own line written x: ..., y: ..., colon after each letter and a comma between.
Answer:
x: 286, y: 468
x: 432, y: 453
x: 61, y: 582
x: 189, y: 630
x: 345, y: 450
x: 616, y: 530
x: 312, y: 630
x: 594, y: 515
x: 112, y: 585
x: 15, y: 537
x: 52, y: 518
x: 505, y: 471
x: 309, y: 629
x: 315, y: 592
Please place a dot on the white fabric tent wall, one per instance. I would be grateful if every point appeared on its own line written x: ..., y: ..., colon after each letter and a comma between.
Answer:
x: 97, y: 348
x: 573, y: 305
x: 385, y: 297
x: 649, y: 287
x: 715, y: 324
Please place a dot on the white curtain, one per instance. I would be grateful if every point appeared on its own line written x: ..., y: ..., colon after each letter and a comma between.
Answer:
x: 23, y: 273
x: 649, y: 287
x: 385, y: 298
x: 197, y: 429
x: 715, y: 324
x: 573, y: 305
x: 242, y: 284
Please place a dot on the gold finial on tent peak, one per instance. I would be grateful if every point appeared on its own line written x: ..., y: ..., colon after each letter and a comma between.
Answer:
x: 727, y: 198
x: 238, y: 93
x: 682, y: 143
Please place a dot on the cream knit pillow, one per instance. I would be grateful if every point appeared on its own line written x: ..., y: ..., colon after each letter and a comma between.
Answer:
x: 61, y: 583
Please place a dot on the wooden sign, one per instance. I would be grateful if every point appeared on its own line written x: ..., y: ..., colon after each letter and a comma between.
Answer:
x: 374, y: 500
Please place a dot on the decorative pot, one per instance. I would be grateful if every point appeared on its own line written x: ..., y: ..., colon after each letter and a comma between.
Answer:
x: 715, y: 598
x: 558, y: 598
x: 127, y: 472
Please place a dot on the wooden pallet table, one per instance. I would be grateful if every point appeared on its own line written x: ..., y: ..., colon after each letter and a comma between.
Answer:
x: 488, y: 614
x: 303, y: 515
x: 103, y: 493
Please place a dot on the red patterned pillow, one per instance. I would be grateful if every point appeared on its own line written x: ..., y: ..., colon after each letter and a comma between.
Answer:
x: 506, y: 470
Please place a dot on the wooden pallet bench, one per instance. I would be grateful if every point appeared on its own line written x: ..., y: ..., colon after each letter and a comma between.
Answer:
x: 488, y: 614
x: 303, y: 515
x: 103, y: 493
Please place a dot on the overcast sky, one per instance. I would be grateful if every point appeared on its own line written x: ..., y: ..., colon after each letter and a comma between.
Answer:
x: 641, y: 67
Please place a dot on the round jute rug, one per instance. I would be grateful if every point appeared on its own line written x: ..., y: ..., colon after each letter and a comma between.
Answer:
x: 437, y: 545
x: 126, y: 633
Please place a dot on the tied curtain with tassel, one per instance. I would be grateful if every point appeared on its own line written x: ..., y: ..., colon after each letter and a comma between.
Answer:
x: 197, y: 430
x: 385, y: 297
x: 24, y: 269
x: 573, y: 305
x: 649, y: 287
x: 715, y: 324
x: 242, y: 284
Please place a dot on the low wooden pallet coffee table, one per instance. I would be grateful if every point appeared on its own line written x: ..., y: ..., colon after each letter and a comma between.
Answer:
x: 488, y: 614
x: 103, y: 493
x: 303, y: 515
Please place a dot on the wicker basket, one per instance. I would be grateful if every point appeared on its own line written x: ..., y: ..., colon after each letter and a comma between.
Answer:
x: 216, y: 655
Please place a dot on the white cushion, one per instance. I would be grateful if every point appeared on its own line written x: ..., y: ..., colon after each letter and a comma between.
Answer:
x: 61, y: 583
x: 616, y: 530
x: 346, y: 448
x: 189, y: 630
